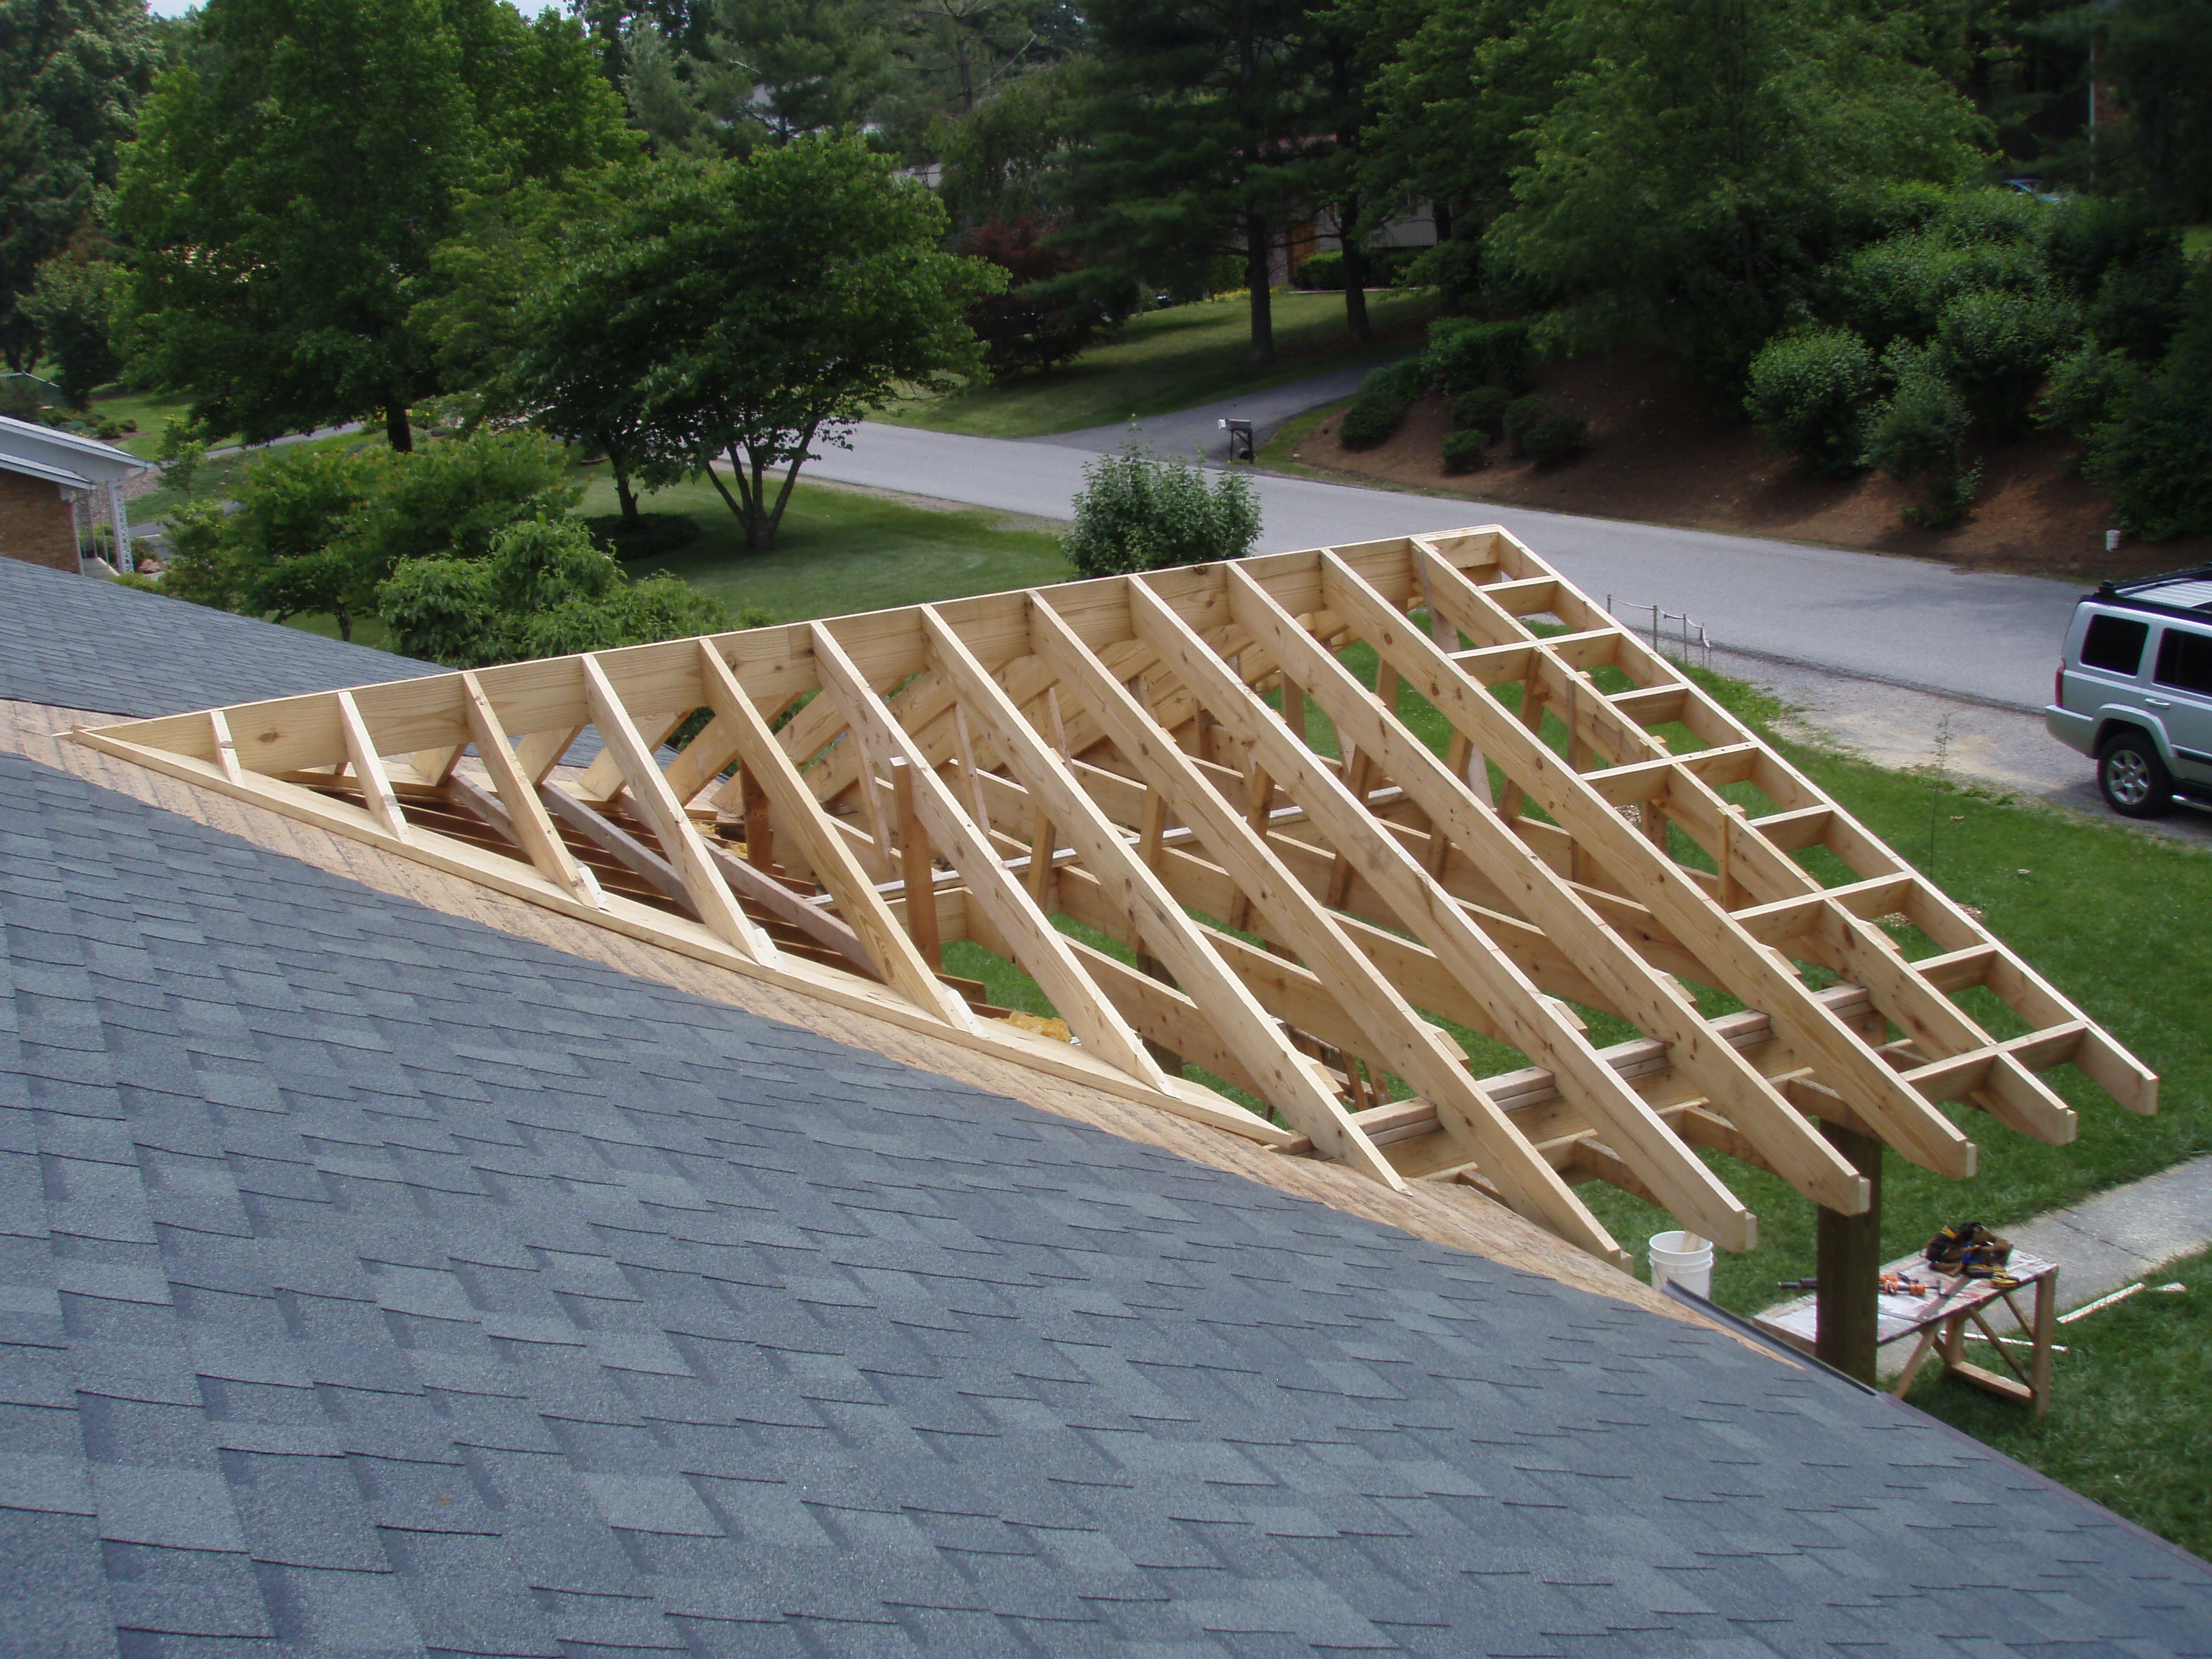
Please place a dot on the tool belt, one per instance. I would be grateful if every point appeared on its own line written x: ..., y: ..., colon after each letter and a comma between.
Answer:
x: 1971, y: 1249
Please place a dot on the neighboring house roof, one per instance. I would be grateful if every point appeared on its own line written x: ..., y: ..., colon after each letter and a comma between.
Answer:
x: 104, y: 647
x: 375, y: 1281
x: 61, y: 457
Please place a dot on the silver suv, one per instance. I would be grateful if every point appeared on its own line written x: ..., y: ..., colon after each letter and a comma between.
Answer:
x: 2134, y: 691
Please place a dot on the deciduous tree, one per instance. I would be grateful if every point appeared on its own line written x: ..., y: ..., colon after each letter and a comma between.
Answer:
x: 1705, y: 157
x: 285, y: 200
x: 72, y: 75
x: 776, y: 300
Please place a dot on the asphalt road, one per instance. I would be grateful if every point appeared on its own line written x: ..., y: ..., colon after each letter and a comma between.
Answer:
x: 1199, y: 431
x: 1986, y: 638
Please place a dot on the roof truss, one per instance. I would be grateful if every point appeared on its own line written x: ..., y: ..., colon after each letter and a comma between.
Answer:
x: 1138, y: 755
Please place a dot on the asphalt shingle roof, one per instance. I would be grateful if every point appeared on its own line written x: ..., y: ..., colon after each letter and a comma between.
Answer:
x: 372, y: 1282
x: 376, y: 1282
x: 75, y: 642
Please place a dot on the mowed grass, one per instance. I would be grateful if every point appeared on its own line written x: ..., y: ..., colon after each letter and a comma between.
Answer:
x: 841, y: 550
x: 1164, y: 361
x: 152, y: 410
x: 2126, y: 1424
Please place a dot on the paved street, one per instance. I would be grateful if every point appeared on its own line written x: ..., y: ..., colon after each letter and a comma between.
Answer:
x: 1987, y: 638
x: 1198, y: 431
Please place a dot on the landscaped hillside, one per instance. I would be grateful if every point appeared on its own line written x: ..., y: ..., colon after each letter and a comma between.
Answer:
x: 1665, y: 448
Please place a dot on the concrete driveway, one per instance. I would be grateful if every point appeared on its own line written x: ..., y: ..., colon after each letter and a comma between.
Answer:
x: 1988, y: 639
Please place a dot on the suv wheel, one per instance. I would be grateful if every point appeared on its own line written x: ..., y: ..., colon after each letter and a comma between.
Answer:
x: 2136, y: 782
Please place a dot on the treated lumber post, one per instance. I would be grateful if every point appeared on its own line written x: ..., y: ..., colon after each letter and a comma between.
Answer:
x: 1848, y: 1260
x: 760, y: 832
x: 917, y: 869
x: 1283, y: 1077
x: 862, y: 908
x: 1038, y: 947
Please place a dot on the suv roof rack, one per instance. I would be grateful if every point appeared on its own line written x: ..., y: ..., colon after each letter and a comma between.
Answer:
x: 2151, y: 593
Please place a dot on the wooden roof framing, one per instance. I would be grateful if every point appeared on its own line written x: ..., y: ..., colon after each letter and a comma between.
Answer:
x: 1135, y: 754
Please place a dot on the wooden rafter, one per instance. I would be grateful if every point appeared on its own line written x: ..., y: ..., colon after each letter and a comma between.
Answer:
x: 1028, y: 771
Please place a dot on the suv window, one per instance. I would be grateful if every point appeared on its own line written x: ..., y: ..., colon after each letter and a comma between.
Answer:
x: 2185, y: 660
x: 2115, y: 643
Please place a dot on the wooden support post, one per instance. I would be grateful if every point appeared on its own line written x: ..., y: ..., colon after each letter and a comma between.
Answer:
x: 861, y: 906
x: 917, y: 869
x: 760, y: 832
x: 1848, y: 1260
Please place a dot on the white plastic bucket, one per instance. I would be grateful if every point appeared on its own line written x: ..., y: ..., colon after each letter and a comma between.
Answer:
x: 1684, y: 1258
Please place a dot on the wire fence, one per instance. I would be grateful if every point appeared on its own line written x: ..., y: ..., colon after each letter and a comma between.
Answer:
x: 1671, y: 633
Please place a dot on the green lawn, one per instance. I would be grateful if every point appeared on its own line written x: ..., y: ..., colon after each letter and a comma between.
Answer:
x: 1164, y: 361
x: 841, y: 551
x: 2126, y: 1425
x: 152, y: 410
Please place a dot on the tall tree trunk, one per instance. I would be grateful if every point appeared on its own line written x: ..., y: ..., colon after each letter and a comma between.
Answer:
x: 620, y: 468
x: 1256, y: 284
x: 1355, y: 271
x: 397, y: 432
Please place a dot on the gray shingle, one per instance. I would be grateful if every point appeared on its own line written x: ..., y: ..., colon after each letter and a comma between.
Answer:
x: 481, y: 1300
x: 75, y: 642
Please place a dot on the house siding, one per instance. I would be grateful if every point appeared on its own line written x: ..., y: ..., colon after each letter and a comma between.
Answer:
x: 35, y: 523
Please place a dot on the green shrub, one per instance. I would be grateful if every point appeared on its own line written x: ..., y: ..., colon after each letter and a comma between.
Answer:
x: 319, y: 530
x: 1466, y: 450
x: 1462, y: 354
x: 1482, y: 410
x: 1897, y: 288
x: 1384, y: 398
x: 2088, y: 389
x: 2155, y: 455
x: 1540, y: 433
x: 1404, y: 380
x: 1998, y: 349
x: 1323, y: 270
x: 1916, y: 436
x: 1371, y: 421
x: 1140, y: 511
x: 543, y: 588
x: 1809, y: 391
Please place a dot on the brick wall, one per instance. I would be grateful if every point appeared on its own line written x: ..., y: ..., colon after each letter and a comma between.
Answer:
x: 35, y: 523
